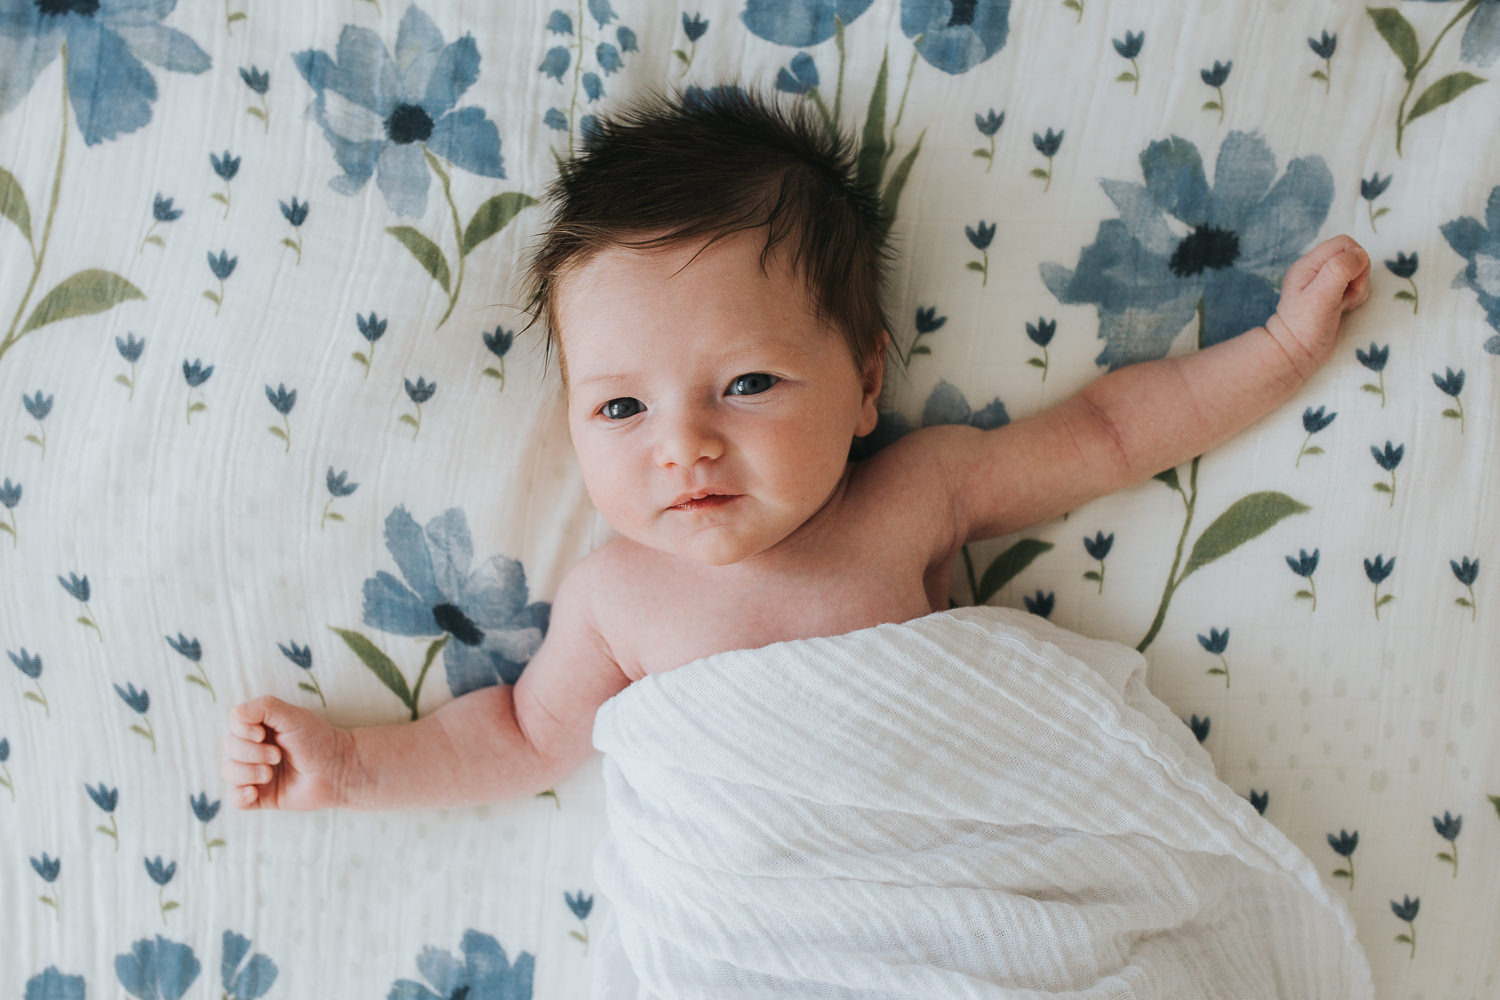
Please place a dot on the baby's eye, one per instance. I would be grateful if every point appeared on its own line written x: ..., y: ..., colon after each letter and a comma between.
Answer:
x: 619, y: 409
x: 753, y: 384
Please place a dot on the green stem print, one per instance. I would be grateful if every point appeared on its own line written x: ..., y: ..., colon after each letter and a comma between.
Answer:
x: 230, y: 18
x: 1075, y: 5
x: 40, y: 442
x: 1402, y: 39
x: 112, y: 831
x: 81, y: 294
x: 1004, y: 568
x: 39, y: 696
x: 312, y: 686
x: 385, y: 669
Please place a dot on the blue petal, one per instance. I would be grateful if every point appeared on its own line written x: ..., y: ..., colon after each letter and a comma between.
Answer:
x: 593, y: 87
x: 1287, y: 219
x: 1141, y: 216
x: 495, y: 594
x: 945, y: 405
x: 21, y: 62
x: 1492, y: 216
x: 256, y: 980
x: 1133, y: 335
x: 110, y: 90
x: 134, y: 12
x: 1482, y: 37
x: 452, y: 551
x: 176, y: 968
x: 470, y: 141
x: 53, y: 985
x: 167, y: 47
x: 1235, y: 301
x: 403, y: 179
x: 391, y: 607
x: 1242, y: 175
x: 442, y: 970
x: 469, y: 668
x: 236, y: 947
x: 408, y: 546
x: 136, y: 970
x: 455, y: 71
x: 1174, y: 175
x: 364, y: 73
x: 799, y: 23
x: 491, y: 971
x: 956, y: 48
x: 556, y: 62
x: 1465, y: 235
x: 418, y: 46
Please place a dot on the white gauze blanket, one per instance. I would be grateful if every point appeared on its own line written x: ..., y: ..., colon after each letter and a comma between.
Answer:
x: 973, y: 804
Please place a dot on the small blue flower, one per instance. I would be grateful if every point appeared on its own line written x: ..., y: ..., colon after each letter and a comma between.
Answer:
x: 484, y: 972
x: 580, y: 904
x: 799, y: 23
x: 1199, y: 727
x: 1452, y: 384
x: 190, y: 648
x: 559, y: 23
x: 1378, y: 570
x: 499, y: 341
x: 928, y: 321
x: 1404, y: 266
x: 1215, y: 77
x: 1407, y: 909
x: 300, y: 655
x: 257, y: 976
x: 694, y: 27
x: 956, y: 37
x: 1041, y: 604
x: 138, y: 700
x: 1260, y: 800
x: 203, y: 809
x: 1449, y: 826
x: 1130, y: 47
x: 4, y: 751
x: 53, y: 985
x: 337, y: 485
x: 29, y: 665
x: 593, y: 87
x: 609, y: 58
x: 1041, y: 334
x: 1215, y: 642
x: 1376, y: 358
x: 422, y: 391
x: 130, y: 348
x: 1345, y: 844
x: 296, y: 212
x: 1304, y: 564
x: 371, y: 329
x: 982, y: 236
x: 1099, y: 545
x: 160, y: 873
x: 556, y: 62
x: 104, y: 798
x: 256, y: 80
x: 1467, y: 572
x: 162, y: 210
x: 1315, y: 420
x: 802, y: 77
x: 38, y: 405
x: 226, y: 166
x: 556, y: 120
x: 1324, y: 47
x: 602, y: 12
x: 1048, y: 144
x: 1374, y: 186
x: 47, y: 867
x: 626, y: 38
x: 195, y: 373
x: 1390, y: 458
x: 282, y: 399
x: 76, y: 585
x: 588, y: 127
x: 223, y: 265
x: 989, y: 123
x: 10, y: 494
x: 157, y: 970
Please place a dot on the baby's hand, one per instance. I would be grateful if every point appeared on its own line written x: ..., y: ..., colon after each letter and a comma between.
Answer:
x: 1329, y: 280
x: 279, y: 756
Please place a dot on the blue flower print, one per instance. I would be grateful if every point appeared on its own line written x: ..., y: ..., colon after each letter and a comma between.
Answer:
x: 38, y: 406
x: 107, y: 799
x: 1324, y: 48
x: 205, y: 811
x: 1215, y: 78
x: 140, y: 702
x: 227, y: 167
x: 157, y: 970
x: 382, y: 113
x: 1260, y: 800
x: 1451, y: 385
x: 195, y: 375
x: 1344, y: 845
x: 48, y: 868
x: 556, y: 62
x: 1041, y: 333
x: 31, y: 666
x: 1147, y: 280
x: 282, y: 400
x: 161, y: 211
x: 1098, y: 548
x: 78, y: 587
x: 593, y: 87
x: 609, y: 58
x: 498, y: 343
x: 1305, y: 566
x: 493, y: 629
x: 110, y: 91
x: 192, y: 651
x: 800, y: 23
x: 222, y: 267
x: 5, y: 778
x: 1467, y: 572
x: 956, y: 35
x: 602, y: 12
x: 1481, y: 42
x: 256, y: 79
x: 559, y: 23
x: 1216, y: 642
x: 484, y: 973
x: 10, y: 496
x: 1199, y: 727
x: 988, y: 124
x: 1448, y: 828
x: 130, y: 349
x: 53, y: 985
x: 419, y: 392
x: 296, y: 214
x: 1129, y: 47
x: 245, y: 980
x: 927, y: 321
x: 338, y: 486
x: 1377, y: 572
x: 980, y: 238
x: 1371, y: 188
x: 800, y: 78
x: 1041, y: 604
x: 1479, y: 244
x: 1404, y: 266
x: 581, y: 906
x: 371, y: 329
x: 694, y: 26
x: 1388, y: 460
x: 161, y: 873
x: 1047, y: 145
x: 1407, y: 910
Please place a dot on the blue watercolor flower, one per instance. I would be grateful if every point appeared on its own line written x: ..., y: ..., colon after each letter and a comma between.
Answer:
x: 1378, y: 570
x: 256, y: 80
x: 693, y: 27
x: 296, y: 212
x: 989, y: 123
x: 130, y: 348
x: 1099, y: 546
x: 10, y: 494
x: 110, y: 91
x: 1390, y: 457
x: 928, y: 321
x: 157, y: 969
x: 1345, y: 844
x: 138, y: 700
x: 602, y: 12
x: 4, y: 751
x: 559, y: 23
x: 499, y: 342
x: 580, y: 904
x: 1215, y: 77
x: 300, y: 655
x: 247, y: 980
x: 1041, y: 332
x: 282, y: 399
x: 946, y: 405
x: 1041, y: 604
x: 160, y: 873
x: 494, y: 630
x: 76, y: 585
x: 203, y: 809
x: 1479, y: 245
x: 162, y: 210
x: 1215, y: 642
x: 1147, y: 281
x: 1199, y: 727
x: 53, y: 985
x: 1315, y: 420
x: 485, y: 972
x: 1407, y: 908
x: 555, y: 120
x: 1449, y: 826
x: 223, y: 265
x: 1375, y: 359
x: 1467, y: 572
x: 1481, y: 41
x: 338, y: 484
x: 1304, y: 564
x: 37, y: 405
x: 190, y: 648
x: 609, y: 58
x: 422, y: 391
x: 959, y: 35
x: 47, y: 867
x: 371, y: 329
x: 28, y: 664
x: 195, y: 373
x: 556, y: 62
x: 799, y: 23
x: 802, y: 77
x: 381, y: 113
x: 1404, y: 266
x: 593, y: 87
x: 1374, y: 186
x: 227, y: 166
x: 1260, y: 800
x: 1048, y: 144
x: 1324, y: 46
x: 105, y: 798
x: 626, y: 38
x: 981, y: 236
x: 1130, y: 46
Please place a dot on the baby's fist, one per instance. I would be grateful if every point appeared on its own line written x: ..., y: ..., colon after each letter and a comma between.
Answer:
x: 1326, y: 282
x: 279, y: 756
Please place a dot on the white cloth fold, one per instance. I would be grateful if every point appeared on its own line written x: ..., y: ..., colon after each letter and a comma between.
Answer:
x: 972, y: 804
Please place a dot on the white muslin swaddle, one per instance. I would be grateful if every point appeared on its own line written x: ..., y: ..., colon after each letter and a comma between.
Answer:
x: 972, y: 804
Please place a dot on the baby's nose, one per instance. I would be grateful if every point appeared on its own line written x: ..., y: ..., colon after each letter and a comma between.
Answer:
x: 686, y: 441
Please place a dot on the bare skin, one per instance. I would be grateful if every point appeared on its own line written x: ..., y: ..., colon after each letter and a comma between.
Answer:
x: 712, y: 413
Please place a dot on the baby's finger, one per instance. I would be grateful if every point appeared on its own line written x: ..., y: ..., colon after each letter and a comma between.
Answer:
x: 246, y: 752
x: 246, y: 797
x: 238, y: 773
x: 245, y: 731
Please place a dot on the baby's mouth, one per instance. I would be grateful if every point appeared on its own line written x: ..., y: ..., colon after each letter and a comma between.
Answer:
x: 703, y: 501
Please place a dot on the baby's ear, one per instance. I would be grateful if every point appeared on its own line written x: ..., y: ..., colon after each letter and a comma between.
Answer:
x: 871, y: 380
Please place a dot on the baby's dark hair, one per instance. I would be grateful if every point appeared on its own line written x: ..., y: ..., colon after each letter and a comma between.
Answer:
x: 704, y: 164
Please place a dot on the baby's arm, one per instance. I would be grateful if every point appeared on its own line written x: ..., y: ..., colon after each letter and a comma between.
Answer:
x: 1141, y: 420
x: 494, y: 743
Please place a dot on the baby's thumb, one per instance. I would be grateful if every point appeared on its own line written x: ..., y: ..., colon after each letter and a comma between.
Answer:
x: 267, y: 711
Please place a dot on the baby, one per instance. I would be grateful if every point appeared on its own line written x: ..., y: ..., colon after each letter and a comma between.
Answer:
x: 711, y: 281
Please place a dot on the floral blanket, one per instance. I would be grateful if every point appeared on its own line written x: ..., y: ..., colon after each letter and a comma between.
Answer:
x: 267, y: 425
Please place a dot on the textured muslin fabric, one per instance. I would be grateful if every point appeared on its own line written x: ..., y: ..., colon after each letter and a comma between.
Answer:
x: 977, y: 803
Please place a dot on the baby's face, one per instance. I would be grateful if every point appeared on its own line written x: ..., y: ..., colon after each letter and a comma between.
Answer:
x: 710, y: 410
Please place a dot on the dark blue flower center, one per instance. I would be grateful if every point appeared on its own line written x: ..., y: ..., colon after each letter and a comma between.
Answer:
x: 453, y: 621
x: 1206, y: 248
x: 408, y: 123
x: 56, y: 8
x: 963, y: 13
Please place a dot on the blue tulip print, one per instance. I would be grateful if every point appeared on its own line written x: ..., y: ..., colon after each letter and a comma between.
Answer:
x: 338, y: 486
x: 47, y: 869
x: 418, y: 392
x: 372, y: 329
x: 6, y: 781
x: 1371, y: 188
x: 694, y: 27
x: 302, y: 657
x: 38, y: 406
x: 259, y: 82
x: 1405, y: 266
x: 1200, y: 727
x: 227, y: 167
x: 157, y: 969
x: 1388, y: 459
x: 1215, y: 643
x: 110, y: 93
x: 1216, y: 77
x: 205, y: 811
x: 1259, y: 800
x: 1375, y: 360
x: 1467, y: 572
x: 53, y: 985
x: 988, y: 125
x: 130, y: 349
x: 161, y: 211
x: 1129, y: 48
x: 195, y: 375
x: 980, y: 237
x: 607, y: 47
x: 1344, y: 846
x: 1481, y: 44
x: 1407, y: 910
x: 483, y: 971
x: 1479, y: 244
x: 1041, y: 603
x: 1098, y: 547
x: 1041, y: 333
x: 192, y: 651
x: 245, y: 976
x: 1305, y: 566
x: 294, y: 213
x: 1451, y: 384
x: 10, y: 498
x: 480, y: 620
x: 140, y: 703
x: 161, y: 872
x: 1324, y: 48
x: 1313, y: 422
x: 404, y: 125
x: 1448, y: 828
x: 31, y: 666
x: 498, y: 342
x: 1376, y: 571
x: 282, y: 400
x: 107, y: 799
x: 1047, y: 145
x: 78, y: 587
x: 222, y: 266
x: 927, y: 322
x: 581, y: 906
